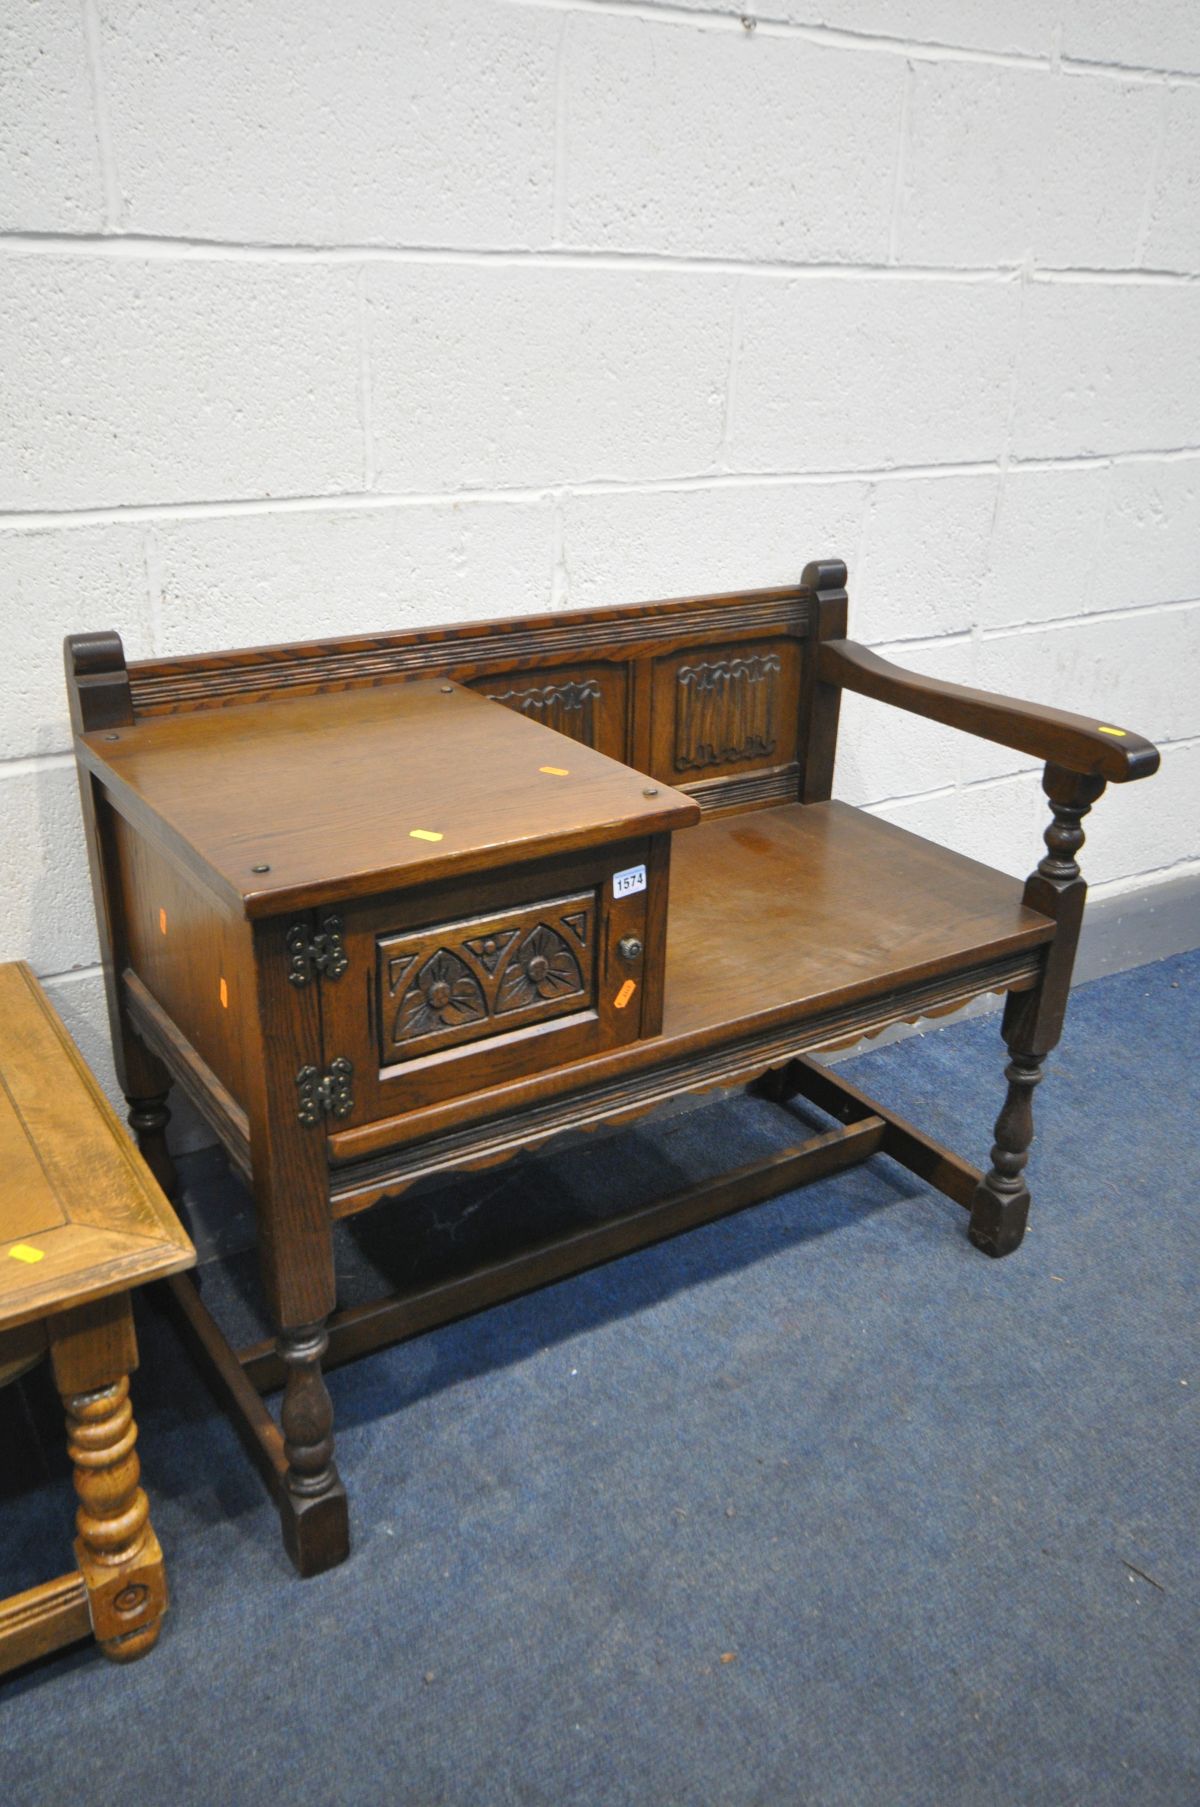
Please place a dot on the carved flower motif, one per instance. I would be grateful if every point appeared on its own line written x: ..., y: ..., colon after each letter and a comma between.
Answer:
x: 544, y: 967
x: 444, y: 996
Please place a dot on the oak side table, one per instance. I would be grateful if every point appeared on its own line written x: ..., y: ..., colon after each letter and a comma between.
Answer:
x: 81, y: 1222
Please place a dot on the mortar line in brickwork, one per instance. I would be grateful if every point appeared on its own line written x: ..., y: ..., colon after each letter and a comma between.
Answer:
x: 1006, y: 453
x: 937, y: 790
x: 1029, y: 776
x: 901, y: 165
x: 934, y: 50
x: 148, y: 248
x: 1047, y: 274
x: 105, y: 152
x: 154, y: 588
x: 914, y: 645
x: 35, y: 520
x: 866, y: 515
x: 72, y: 975
x: 893, y: 646
x: 1070, y: 461
x: 560, y: 576
x: 559, y: 214
x: 359, y: 500
x: 736, y: 313
x: 366, y: 413
x: 1148, y: 198
x: 27, y: 765
x: 1043, y: 624
x: 1148, y: 879
x: 1081, y: 65
x: 126, y: 247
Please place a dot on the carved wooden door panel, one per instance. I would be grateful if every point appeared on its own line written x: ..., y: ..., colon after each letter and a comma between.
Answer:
x: 462, y: 985
x: 454, y: 982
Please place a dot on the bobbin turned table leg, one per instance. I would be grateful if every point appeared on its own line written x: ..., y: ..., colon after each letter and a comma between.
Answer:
x: 93, y: 1350
x: 312, y: 1509
x: 1033, y: 1020
x: 1001, y: 1208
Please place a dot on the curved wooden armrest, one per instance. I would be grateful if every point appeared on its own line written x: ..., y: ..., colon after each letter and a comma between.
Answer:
x: 1071, y: 741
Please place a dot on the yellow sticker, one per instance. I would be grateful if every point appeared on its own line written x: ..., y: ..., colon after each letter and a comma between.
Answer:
x: 162, y: 921
x: 1119, y: 733
x: 626, y: 992
x: 21, y: 1251
x: 555, y: 771
x: 423, y: 834
x: 224, y: 995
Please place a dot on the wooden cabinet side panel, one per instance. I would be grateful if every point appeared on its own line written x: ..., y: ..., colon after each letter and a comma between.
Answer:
x: 190, y: 952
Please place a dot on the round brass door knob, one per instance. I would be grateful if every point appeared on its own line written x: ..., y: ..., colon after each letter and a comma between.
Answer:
x: 629, y: 947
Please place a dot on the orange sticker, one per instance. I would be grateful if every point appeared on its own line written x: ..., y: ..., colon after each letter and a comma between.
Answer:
x: 162, y: 921
x: 21, y: 1251
x: 1117, y: 733
x: 423, y: 834
x: 626, y: 992
x: 555, y: 771
x: 224, y: 995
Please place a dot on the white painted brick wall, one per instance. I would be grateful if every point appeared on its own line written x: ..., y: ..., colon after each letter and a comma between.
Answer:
x: 357, y: 123
x: 692, y: 142
x: 321, y: 318
x: 1003, y: 161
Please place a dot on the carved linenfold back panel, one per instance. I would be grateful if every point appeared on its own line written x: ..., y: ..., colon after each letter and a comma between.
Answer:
x: 586, y: 702
x: 726, y: 710
x: 483, y: 975
x: 567, y: 706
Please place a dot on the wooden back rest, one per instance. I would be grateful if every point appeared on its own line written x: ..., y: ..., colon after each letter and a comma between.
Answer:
x: 713, y: 694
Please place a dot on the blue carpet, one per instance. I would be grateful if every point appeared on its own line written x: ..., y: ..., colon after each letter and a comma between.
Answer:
x: 815, y: 1505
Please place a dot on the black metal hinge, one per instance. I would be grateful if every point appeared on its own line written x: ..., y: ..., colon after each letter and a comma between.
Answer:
x: 325, y: 953
x: 325, y: 1094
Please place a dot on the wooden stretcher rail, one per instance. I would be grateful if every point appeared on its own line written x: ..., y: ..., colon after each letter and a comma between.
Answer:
x: 353, y: 1333
x: 43, y: 1619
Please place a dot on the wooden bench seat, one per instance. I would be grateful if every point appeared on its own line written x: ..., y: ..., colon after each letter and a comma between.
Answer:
x: 303, y: 854
x: 775, y: 915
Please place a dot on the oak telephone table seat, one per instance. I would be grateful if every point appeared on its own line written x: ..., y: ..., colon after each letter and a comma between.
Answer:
x: 81, y: 1222
x: 408, y: 904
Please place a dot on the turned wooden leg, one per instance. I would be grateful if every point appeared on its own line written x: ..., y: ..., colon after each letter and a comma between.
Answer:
x: 116, y: 1550
x: 93, y: 1350
x: 148, y: 1119
x: 312, y: 1508
x: 1033, y: 1019
x: 1000, y: 1209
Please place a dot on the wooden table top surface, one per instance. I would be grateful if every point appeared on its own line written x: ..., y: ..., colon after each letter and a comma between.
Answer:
x: 359, y: 791
x: 80, y: 1214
